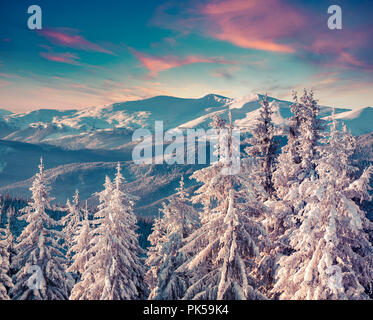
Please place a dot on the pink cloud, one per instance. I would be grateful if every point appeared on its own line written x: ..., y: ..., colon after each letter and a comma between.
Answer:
x: 335, y: 43
x: 61, y: 57
x: 67, y: 39
x: 253, y: 24
x: 158, y: 64
x: 340, y: 50
x: 346, y: 58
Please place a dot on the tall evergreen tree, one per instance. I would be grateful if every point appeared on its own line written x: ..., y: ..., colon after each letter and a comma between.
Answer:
x: 288, y: 162
x: 297, y: 159
x: 333, y: 255
x: 115, y: 270
x: 310, y: 134
x: 79, y: 250
x: 225, y: 251
x: 155, y: 256
x: 73, y: 217
x: 263, y: 146
x: 39, y: 263
x: 296, y: 163
x: 88, y: 235
x: 178, y: 221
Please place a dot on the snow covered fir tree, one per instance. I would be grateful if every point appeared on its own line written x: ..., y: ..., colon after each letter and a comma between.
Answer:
x: 40, y: 260
x: 292, y: 222
x: 112, y: 270
x: 73, y: 218
x: 263, y: 146
x: 225, y: 251
x: 179, y: 220
x: 333, y: 256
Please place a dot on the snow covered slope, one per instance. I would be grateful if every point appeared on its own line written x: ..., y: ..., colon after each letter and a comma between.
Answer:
x: 359, y: 121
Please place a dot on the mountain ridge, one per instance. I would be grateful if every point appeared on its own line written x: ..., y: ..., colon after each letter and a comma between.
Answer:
x: 111, y: 126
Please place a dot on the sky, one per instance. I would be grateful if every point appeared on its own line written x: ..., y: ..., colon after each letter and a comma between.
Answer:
x: 96, y: 52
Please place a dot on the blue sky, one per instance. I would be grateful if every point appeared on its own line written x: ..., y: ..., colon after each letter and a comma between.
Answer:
x: 98, y: 52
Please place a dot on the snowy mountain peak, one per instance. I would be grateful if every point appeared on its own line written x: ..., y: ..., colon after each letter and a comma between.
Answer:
x: 238, y: 103
x: 356, y: 113
x: 359, y: 121
x: 216, y: 97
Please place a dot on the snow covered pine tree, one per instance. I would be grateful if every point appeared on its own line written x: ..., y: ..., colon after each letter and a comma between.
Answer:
x: 294, y: 164
x: 296, y: 161
x: 41, y: 274
x: 155, y: 255
x: 72, y: 219
x: 179, y: 220
x: 333, y: 256
x: 79, y: 250
x: 225, y: 251
x: 263, y: 146
x: 114, y: 270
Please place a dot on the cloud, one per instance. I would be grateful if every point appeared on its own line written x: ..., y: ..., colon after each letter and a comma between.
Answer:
x: 223, y: 73
x: 253, y: 24
x: 227, y: 73
x: 157, y: 64
x: 4, y: 83
x: 278, y: 26
x: 344, y: 49
x: 167, y: 41
x: 67, y: 57
x: 64, y: 93
x: 260, y: 25
x: 106, y: 90
x: 11, y: 76
x: 5, y: 75
x: 346, y: 58
x: 66, y: 38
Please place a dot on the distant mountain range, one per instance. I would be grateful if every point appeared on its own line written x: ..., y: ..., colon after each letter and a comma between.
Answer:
x: 111, y: 127
x: 107, y: 127
x: 81, y: 146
